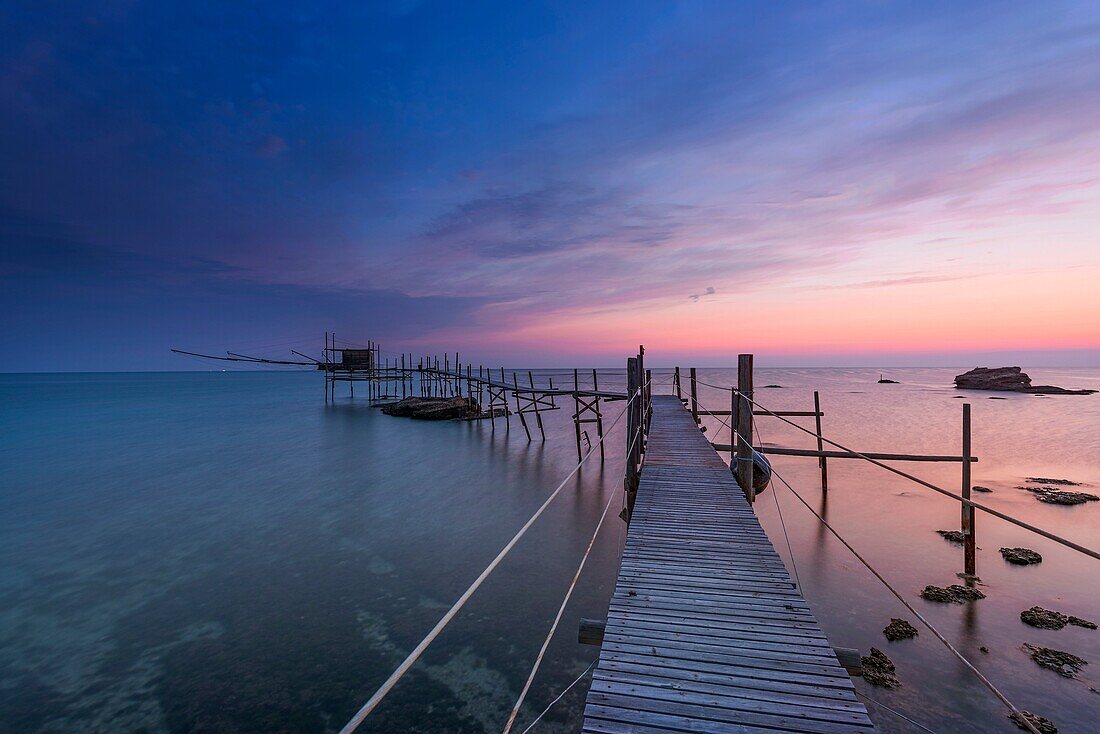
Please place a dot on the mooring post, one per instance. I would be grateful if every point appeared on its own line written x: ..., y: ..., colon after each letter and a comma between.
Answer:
x: 744, y: 426
x: 633, y: 433
x: 676, y: 382
x: 820, y: 445
x: 694, y: 396
x: 968, y: 514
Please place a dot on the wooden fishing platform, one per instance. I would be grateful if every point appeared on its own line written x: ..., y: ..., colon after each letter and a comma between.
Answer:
x: 706, y: 631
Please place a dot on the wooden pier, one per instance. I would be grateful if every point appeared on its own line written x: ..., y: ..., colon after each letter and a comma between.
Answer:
x: 706, y: 632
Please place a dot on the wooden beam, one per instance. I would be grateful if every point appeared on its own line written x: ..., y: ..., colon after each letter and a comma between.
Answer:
x: 784, y: 451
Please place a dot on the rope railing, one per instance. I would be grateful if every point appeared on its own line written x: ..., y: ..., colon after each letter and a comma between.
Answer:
x: 561, y: 610
x: 924, y: 483
x: 356, y: 721
x: 962, y: 658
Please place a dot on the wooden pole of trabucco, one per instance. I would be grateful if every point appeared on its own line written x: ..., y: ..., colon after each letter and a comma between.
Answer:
x: 694, y: 396
x: 676, y: 382
x: 820, y: 445
x: 744, y: 426
x: 519, y: 408
x: 504, y: 400
x: 577, y: 412
x: 535, y: 402
x: 599, y: 413
x: 968, y: 514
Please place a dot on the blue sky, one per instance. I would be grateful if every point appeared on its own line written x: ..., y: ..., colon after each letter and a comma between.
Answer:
x: 540, y: 182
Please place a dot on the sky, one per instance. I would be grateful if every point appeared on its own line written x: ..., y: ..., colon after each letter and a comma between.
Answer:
x: 551, y: 183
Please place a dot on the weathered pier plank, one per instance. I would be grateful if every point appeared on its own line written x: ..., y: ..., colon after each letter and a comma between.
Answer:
x: 706, y: 632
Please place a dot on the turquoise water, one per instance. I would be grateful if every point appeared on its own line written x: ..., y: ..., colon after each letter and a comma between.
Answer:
x: 224, y: 552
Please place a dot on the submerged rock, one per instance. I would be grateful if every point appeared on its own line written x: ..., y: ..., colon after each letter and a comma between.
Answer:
x: 1078, y: 622
x: 1048, y: 619
x: 774, y: 387
x: 1008, y: 379
x: 899, y: 629
x: 434, y: 409
x: 953, y: 536
x: 1061, y: 496
x: 953, y: 594
x: 1048, y: 480
x: 1043, y: 726
x: 1065, y: 664
x: 980, y: 488
x: 878, y: 670
x: 1021, y: 556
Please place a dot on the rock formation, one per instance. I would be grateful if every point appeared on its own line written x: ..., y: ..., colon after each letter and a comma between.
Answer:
x: 1008, y: 379
x: 434, y: 409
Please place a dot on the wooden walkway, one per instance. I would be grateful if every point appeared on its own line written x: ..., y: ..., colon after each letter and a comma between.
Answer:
x: 706, y: 632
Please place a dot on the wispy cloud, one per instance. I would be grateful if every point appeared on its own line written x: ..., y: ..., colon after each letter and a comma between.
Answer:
x: 615, y: 163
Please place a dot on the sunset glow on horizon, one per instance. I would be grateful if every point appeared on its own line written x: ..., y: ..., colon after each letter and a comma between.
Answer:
x: 539, y: 183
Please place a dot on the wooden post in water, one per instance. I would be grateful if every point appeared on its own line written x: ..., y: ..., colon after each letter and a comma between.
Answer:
x: 633, y: 433
x: 968, y: 514
x: 504, y: 399
x: 577, y: 413
x: 820, y: 445
x: 535, y: 402
x: 599, y: 413
x: 519, y: 408
x: 694, y: 396
x: 744, y: 426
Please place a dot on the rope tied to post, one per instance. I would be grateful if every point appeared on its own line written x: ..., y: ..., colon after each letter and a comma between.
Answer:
x: 939, y: 636
x: 357, y: 720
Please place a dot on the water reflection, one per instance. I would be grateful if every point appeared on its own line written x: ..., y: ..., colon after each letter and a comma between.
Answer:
x: 291, y: 553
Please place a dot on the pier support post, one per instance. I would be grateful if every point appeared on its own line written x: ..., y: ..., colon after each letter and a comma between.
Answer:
x: 648, y: 397
x: 820, y: 445
x: 694, y: 395
x: 633, y: 433
x: 676, y: 382
x: 968, y: 514
x: 743, y: 425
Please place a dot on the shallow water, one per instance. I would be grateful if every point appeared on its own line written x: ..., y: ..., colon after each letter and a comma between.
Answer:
x: 224, y: 552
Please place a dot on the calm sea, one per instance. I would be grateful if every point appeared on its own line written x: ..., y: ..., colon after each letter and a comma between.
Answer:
x: 223, y: 552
